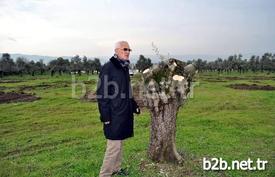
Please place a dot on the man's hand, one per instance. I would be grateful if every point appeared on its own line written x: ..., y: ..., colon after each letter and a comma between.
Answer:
x: 135, y: 107
x: 137, y: 110
x: 106, y: 123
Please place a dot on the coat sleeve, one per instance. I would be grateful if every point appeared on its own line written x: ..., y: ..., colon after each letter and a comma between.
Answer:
x: 102, y: 99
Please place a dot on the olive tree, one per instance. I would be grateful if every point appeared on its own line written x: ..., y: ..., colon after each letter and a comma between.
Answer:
x: 165, y: 89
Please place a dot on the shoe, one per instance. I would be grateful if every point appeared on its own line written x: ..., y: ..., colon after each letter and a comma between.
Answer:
x: 121, y: 172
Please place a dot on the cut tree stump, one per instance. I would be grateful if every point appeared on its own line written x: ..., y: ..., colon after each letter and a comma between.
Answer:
x: 165, y: 89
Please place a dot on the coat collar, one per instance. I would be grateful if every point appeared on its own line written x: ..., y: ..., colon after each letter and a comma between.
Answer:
x: 114, y: 59
x: 115, y: 62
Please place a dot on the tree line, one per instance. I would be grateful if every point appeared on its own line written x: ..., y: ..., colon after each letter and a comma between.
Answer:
x: 236, y: 63
x: 76, y: 65
x: 233, y: 63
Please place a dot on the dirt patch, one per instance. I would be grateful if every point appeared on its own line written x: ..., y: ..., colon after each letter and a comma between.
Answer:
x: 90, y: 96
x: 8, y: 97
x: 42, y: 86
x: 251, y: 87
x: 263, y: 78
x: 90, y: 82
x: 251, y: 78
x: 10, y: 81
x: 222, y: 79
x: 255, y: 81
x: 232, y: 78
x: 214, y: 80
x: 59, y: 82
x: 32, y: 87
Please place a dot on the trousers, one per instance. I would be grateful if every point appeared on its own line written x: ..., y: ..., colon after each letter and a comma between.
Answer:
x: 112, y: 158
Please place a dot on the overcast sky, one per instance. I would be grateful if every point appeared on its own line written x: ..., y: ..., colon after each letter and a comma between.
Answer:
x: 178, y: 27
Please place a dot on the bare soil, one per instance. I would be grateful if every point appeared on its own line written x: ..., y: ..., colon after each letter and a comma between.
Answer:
x: 42, y: 86
x: 228, y: 78
x: 10, y: 81
x: 251, y: 87
x: 8, y: 97
x: 90, y: 96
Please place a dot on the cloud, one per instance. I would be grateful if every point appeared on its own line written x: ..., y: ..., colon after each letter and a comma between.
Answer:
x: 67, y: 27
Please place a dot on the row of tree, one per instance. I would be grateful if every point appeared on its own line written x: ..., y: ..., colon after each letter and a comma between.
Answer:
x: 60, y: 65
x: 235, y: 63
x: 78, y: 65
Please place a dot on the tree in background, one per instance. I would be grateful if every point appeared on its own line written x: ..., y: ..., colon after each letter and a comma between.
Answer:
x: 97, y: 65
x: 200, y: 65
x: 33, y: 67
x: 143, y: 63
x: 91, y: 65
x: 21, y: 65
x: 63, y: 65
x: 264, y: 63
x: 41, y: 66
x: 7, y: 66
x: 76, y: 64
x: 86, y: 65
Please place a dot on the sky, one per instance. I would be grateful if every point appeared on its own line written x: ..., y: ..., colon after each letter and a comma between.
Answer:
x: 177, y: 27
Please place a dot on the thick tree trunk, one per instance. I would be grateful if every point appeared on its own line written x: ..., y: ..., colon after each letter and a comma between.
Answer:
x: 165, y: 89
x: 162, y: 145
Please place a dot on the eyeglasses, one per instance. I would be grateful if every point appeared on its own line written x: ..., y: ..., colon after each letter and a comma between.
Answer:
x: 126, y: 49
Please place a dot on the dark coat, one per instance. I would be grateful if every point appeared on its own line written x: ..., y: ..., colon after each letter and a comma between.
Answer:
x: 115, y: 101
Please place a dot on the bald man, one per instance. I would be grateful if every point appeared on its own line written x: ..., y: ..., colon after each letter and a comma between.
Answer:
x: 116, y: 108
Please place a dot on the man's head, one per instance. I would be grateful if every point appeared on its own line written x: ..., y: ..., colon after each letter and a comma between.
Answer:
x: 122, y: 50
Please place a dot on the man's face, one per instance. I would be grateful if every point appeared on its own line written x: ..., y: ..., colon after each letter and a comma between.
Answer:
x: 123, y: 52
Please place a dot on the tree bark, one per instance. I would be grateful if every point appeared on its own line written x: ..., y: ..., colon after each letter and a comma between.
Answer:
x: 162, y: 145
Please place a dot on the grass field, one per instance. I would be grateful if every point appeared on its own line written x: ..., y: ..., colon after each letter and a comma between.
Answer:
x: 60, y: 135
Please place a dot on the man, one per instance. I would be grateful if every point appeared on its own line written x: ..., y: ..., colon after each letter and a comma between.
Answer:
x: 116, y: 108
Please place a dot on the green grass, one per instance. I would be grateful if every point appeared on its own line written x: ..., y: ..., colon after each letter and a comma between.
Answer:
x: 59, y: 135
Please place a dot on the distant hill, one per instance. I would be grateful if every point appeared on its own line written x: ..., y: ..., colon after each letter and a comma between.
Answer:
x: 46, y: 59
